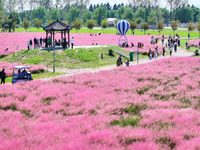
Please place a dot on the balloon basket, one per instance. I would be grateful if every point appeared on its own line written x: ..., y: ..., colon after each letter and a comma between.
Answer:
x: 122, y: 40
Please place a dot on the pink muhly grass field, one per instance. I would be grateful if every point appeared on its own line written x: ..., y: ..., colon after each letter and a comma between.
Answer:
x: 194, y: 43
x: 146, y: 107
x: 9, y: 67
x: 12, y: 40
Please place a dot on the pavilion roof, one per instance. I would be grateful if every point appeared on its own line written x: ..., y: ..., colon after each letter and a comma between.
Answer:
x: 57, y: 26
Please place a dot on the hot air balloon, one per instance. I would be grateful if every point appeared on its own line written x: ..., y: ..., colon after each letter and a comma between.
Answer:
x: 123, y: 27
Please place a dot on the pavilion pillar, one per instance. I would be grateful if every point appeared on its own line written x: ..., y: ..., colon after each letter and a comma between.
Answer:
x: 61, y: 36
x: 53, y: 37
x: 46, y: 39
x: 68, y: 39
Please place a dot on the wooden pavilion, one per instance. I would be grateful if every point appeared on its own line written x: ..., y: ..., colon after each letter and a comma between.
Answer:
x: 57, y: 26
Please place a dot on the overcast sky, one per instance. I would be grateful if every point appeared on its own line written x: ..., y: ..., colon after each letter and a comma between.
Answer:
x: 112, y: 2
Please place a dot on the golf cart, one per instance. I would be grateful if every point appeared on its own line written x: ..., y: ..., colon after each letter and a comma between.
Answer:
x: 22, y: 75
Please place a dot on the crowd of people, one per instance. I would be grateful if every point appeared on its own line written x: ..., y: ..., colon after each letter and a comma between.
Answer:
x: 47, y: 42
x: 120, y: 61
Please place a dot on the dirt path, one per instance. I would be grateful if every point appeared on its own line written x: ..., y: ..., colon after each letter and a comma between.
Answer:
x: 181, y: 52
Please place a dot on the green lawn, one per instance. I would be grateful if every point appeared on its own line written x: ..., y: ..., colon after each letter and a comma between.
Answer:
x: 181, y: 32
x: 70, y: 58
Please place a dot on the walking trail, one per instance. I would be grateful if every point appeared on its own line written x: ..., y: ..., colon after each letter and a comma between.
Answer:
x: 181, y: 52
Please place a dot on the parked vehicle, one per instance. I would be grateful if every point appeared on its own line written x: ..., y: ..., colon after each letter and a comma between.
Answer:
x: 23, y: 74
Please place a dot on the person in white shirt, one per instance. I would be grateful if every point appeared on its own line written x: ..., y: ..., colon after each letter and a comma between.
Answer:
x: 72, y: 42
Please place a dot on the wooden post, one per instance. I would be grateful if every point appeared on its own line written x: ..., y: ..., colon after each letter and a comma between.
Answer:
x: 46, y: 40
x: 53, y: 37
x: 68, y: 39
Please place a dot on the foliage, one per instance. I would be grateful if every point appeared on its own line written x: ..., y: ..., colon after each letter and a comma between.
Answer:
x: 90, y: 24
x: 38, y: 23
x: 13, y: 20
x: 74, y: 14
x: 54, y: 14
x: 191, y: 27
x: 100, y: 13
x: 164, y: 117
x: 49, y: 22
x: 104, y: 23
x: 77, y: 25
x: 198, y: 28
x: 133, y: 25
x: 128, y: 14
x: 145, y: 26
x: 174, y: 25
x: 39, y: 13
x: 160, y: 26
x: 26, y: 24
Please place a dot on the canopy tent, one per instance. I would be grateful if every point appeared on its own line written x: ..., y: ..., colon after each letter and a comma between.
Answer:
x: 20, y: 67
x: 57, y: 26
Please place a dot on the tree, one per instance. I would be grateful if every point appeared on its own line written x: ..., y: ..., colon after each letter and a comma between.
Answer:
x: 128, y: 14
x: 90, y: 24
x: 198, y: 28
x: 160, y: 26
x: 91, y: 8
x: 39, y: 13
x: 47, y: 4
x: 174, y: 25
x: 104, y: 24
x: 73, y: 14
x: 121, y: 11
x: 133, y: 26
x: 184, y: 14
x: 13, y: 20
x: 77, y: 25
x: 26, y: 24
x: 54, y: 14
x: 190, y: 27
x: 87, y: 15
x: 37, y: 23
x: 141, y: 13
x: 145, y: 26
x: 100, y: 13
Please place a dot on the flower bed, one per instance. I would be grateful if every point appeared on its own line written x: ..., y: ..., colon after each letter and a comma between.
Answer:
x: 194, y: 43
x: 12, y: 40
x: 146, y: 107
x: 9, y: 67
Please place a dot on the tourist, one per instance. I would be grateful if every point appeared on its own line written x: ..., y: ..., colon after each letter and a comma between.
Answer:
x: 31, y: 43
x: 3, y: 76
x: 163, y: 51
x: 127, y: 63
x: 199, y: 44
x: 72, y: 42
x: 24, y: 74
x: 163, y: 41
x: 156, y: 52
x: 121, y: 59
x: 188, y: 35
x: 149, y: 54
x: 28, y: 44
x: 197, y: 53
x: 170, y: 50
x: 175, y: 47
x: 34, y: 40
x: 118, y: 62
x: 49, y: 41
x: 41, y: 41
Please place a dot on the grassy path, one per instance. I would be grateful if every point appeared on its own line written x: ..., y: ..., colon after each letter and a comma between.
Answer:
x: 181, y: 52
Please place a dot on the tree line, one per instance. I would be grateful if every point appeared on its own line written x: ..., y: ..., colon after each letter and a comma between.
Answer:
x: 38, y: 13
